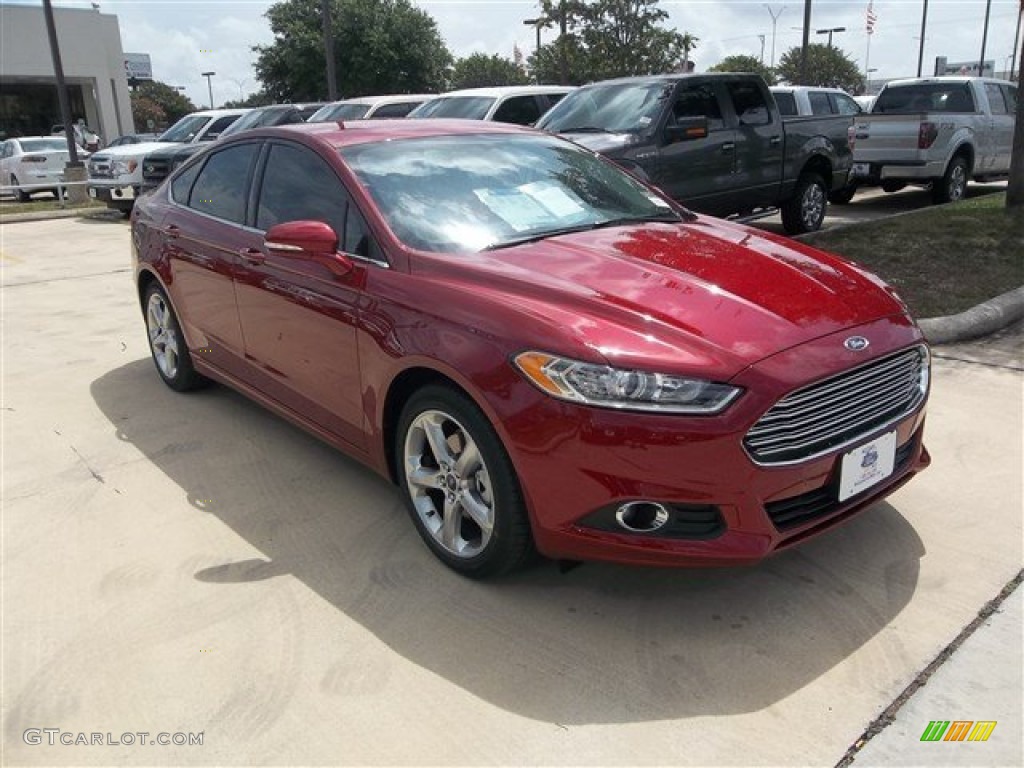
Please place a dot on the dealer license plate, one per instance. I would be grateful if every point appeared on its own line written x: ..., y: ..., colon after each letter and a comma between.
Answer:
x: 867, y: 465
x: 92, y: 193
x: 861, y: 169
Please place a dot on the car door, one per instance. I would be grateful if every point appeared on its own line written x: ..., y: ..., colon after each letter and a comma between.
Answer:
x: 204, y: 231
x: 698, y: 172
x: 1002, y: 122
x: 759, y: 144
x: 298, y: 315
x: 6, y: 149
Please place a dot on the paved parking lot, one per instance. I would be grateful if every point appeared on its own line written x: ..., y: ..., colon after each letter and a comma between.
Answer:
x: 184, y: 564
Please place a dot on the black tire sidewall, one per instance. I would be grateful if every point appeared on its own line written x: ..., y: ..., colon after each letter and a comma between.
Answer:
x: 510, y: 539
x: 185, y: 378
x: 792, y: 211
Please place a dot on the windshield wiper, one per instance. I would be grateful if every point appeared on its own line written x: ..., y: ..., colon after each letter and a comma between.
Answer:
x: 584, y: 129
x: 620, y: 222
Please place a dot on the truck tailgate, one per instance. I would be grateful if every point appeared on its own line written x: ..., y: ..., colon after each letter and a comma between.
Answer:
x: 888, y: 137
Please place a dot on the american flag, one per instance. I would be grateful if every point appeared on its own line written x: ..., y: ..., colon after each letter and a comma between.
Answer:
x: 871, y: 18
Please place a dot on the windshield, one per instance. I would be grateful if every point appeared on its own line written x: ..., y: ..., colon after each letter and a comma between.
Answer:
x: 614, y: 108
x: 185, y: 129
x: 43, y: 145
x: 924, y: 97
x: 339, y: 112
x: 465, y: 107
x: 466, y: 193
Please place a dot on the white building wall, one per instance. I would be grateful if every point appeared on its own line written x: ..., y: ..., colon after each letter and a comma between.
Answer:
x: 91, y: 53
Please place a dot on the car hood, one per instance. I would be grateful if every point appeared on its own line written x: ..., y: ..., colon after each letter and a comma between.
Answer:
x: 706, y: 293
x: 135, y: 150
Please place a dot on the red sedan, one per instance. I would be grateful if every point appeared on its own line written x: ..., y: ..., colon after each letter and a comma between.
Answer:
x: 539, y: 350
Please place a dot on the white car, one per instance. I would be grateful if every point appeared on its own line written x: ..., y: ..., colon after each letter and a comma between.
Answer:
x: 519, y: 104
x: 31, y: 164
x: 806, y: 100
x: 367, y: 107
x: 115, y: 173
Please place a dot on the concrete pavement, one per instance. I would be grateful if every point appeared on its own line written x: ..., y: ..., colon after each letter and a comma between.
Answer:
x: 187, y: 564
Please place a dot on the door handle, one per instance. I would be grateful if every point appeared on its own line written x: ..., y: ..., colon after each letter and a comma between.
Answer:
x: 172, y: 231
x: 775, y: 141
x: 729, y: 146
x: 252, y: 256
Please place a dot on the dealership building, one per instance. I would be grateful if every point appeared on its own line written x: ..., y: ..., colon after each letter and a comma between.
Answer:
x: 94, y: 70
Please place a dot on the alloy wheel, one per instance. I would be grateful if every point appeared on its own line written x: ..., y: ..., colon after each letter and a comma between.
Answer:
x: 163, y: 338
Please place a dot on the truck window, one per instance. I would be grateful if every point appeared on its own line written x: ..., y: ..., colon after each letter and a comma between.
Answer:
x: 1010, y: 91
x: 787, y: 104
x: 996, y: 102
x: 749, y: 102
x: 699, y: 101
x: 924, y: 97
x: 843, y: 104
x: 819, y: 103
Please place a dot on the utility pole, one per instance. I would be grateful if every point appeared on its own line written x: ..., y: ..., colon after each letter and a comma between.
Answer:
x: 332, y: 78
x: 984, y: 40
x: 806, y: 42
x: 775, y: 21
x: 75, y: 169
x: 920, y: 53
x: 563, y: 63
x: 762, y: 49
x: 1016, y: 40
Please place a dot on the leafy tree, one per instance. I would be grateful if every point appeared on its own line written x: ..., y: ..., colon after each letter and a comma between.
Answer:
x: 744, y: 64
x: 257, y: 99
x: 380, y: 47
x: 147, y: 114
x: 688, y: 43
x: 172, y: 103
x: 480, y: 70
x: 607, y: 38
x: 826, y: 66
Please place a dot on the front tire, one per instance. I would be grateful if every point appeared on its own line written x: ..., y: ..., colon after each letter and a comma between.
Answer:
x: 459, y: 484
x: 23, y: 196
x: 167, y: 343
x: 805, y: 210
x: 953, y: 185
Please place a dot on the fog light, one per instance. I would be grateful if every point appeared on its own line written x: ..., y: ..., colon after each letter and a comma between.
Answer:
x: 641, y: 516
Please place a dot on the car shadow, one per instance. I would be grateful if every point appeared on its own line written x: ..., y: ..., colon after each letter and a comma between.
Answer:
x: 599, y: 643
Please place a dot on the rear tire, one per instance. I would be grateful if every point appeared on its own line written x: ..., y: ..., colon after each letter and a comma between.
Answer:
x: 893, y: 186
x: 167, y: 342
x: 843, y: 196
x: 459, y: 485
x: 805, y: 210
x: 953, y: 185
x: 23, y: 196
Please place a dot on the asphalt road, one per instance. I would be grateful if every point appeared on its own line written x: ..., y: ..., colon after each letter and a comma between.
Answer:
x: 186, y: 564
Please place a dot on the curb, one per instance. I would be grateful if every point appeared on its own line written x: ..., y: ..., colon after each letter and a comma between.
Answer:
x: 988, y: 317
x: 91, y: 212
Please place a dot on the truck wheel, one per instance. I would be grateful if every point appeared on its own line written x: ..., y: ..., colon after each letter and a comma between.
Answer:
x: 843, y: 196
x: 893, y: 186
x: 805, y: 210
x: 952, y: 186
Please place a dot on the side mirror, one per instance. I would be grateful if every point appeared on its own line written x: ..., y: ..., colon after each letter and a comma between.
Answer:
x: 311, y: 240
x: 686, y: 129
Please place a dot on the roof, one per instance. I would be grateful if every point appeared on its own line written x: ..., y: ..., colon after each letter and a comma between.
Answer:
x: 508, y: 90
x: 218, y: 112
x: 392, y: 98
x: 341, y: 134
x: 948, y: 79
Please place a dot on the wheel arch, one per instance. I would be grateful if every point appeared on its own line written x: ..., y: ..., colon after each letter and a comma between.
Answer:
x: 821, y: 165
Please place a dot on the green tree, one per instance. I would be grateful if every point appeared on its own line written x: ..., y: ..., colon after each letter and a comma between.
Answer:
x: 171, y: 102
x: 688, y: 43
x: 147, y: 115
x: 744, y: 64
x: 257, y: 99
x: 826, y: 66
x: 380, y: 47
x: 607, y: 38
x: 480, y: 70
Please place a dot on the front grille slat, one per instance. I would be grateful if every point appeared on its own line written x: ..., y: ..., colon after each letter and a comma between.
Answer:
x: 882, y: 403
x: 839, y: 410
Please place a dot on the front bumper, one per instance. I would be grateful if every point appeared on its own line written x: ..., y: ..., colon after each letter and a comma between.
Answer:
x: 577, y: 464
x: 112, y: 192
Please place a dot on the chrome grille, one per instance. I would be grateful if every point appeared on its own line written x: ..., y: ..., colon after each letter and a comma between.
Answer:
x: 100, y: 167
x: 839, y: 410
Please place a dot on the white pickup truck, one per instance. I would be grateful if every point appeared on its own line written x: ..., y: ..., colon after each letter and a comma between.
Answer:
x: 115, y: 173
x: 937, y: 131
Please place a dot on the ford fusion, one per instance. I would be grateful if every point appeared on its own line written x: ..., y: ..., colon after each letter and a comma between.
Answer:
x: 540, y: 351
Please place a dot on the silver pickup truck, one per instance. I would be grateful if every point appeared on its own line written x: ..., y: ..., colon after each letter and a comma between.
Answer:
x: 937, y: 131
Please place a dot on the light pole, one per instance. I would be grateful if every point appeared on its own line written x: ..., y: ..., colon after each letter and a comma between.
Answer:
x: 920, y: 53
x: 829, y: 33
x: 239, y: 83
x: 209, y: 84
x: 984, y: 40
x: 762, y: 49
x: 538, y: 24
x: 775, y: 20
x: 867, y: 87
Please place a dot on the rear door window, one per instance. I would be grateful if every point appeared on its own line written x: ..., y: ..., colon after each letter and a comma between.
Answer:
x: 787, y: 104
x: 843, y: 104
x: 996, y: 100
x: 222, y: 186
x: 520, y: 110
x: 819, y: 102
x: 395, y: 110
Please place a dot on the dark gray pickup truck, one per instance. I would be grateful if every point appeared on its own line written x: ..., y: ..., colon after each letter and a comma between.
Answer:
x: 714, y: 142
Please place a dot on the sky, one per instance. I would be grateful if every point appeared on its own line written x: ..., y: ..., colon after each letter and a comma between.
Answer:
x: 187, y: 37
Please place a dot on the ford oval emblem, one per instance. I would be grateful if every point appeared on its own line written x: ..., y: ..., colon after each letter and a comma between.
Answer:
x: 856, y: 343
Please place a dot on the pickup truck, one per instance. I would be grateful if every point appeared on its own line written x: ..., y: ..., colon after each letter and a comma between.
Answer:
x: 938, y: 131
x: 715, y: 142
x: 115, y: 173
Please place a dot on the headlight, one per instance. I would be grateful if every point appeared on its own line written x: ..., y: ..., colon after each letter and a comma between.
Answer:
x: 124, y: 167
x: 925, y: 376
x: 609, y: 387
